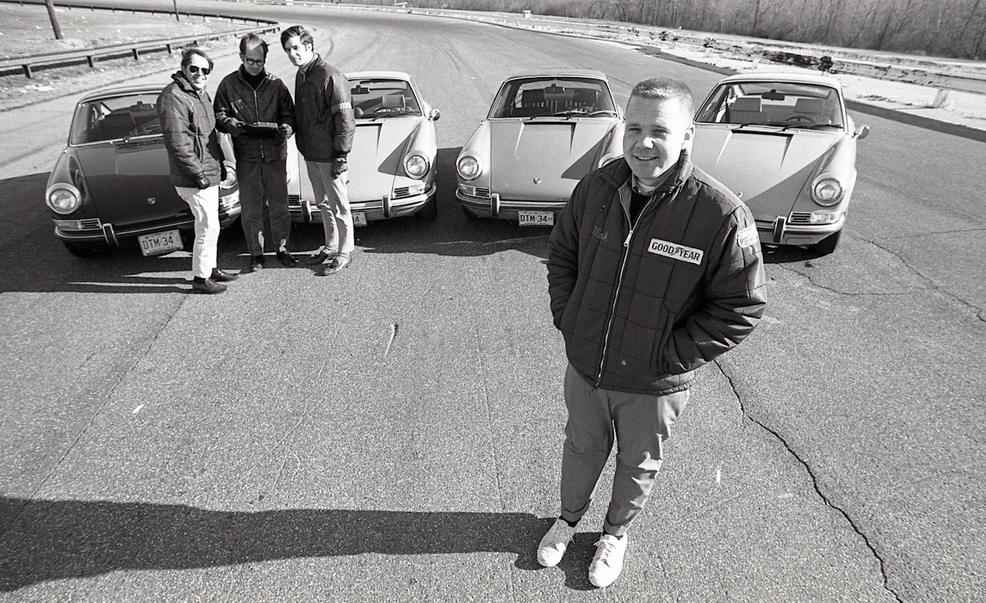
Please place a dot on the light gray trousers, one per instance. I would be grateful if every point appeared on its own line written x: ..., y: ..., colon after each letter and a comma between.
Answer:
x: 641, y: 424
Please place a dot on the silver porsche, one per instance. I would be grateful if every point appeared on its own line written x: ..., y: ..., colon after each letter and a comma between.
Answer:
x: 786, y: 145
x: 543, y: 133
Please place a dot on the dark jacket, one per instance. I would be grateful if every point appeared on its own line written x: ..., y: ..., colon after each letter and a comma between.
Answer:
x: 236, y: 100
x: 640, y: 310
x: 189, y: 128
x: 323, y: 112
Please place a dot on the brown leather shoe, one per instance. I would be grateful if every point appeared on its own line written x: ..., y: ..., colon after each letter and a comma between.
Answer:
x: 206, y: 285
x: 222, y: 277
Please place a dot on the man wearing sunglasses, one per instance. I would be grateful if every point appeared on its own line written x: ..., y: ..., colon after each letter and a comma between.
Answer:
x: 188, y: 124
x: 256, y: 109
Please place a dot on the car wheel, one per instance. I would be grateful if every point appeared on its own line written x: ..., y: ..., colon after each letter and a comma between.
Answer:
x: 430, y: 211
x: 83, y: 250
x: 827, y: 245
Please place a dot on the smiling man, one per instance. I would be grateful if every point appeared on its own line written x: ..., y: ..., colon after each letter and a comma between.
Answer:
x: 654, y: 269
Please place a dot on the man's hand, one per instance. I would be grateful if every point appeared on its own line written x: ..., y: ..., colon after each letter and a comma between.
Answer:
x: 202, y: 181
x: 285, y: 131
x: 339, y: 166
x: 237, y: 127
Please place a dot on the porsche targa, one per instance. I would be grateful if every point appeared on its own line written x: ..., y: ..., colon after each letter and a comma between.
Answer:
x: 543, y: 133
x: 786, y: 145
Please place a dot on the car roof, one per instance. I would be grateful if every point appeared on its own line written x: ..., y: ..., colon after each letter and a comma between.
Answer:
x: 783, y: 76
x: 384, y: 75
x: 588, y: 73
x: 122, y: 91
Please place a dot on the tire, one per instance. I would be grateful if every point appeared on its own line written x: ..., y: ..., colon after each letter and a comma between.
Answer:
x: 83, y: 250
x: 827, y: 245
x: 430, y: 210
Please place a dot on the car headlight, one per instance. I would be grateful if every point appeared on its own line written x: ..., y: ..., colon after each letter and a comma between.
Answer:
x: 230, y: 180
x: 826, y: 191
x: 468, y: 168
x: 416, y: 166
x: 63, y: 198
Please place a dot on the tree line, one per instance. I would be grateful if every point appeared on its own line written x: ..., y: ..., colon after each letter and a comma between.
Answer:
x: 952, y: 28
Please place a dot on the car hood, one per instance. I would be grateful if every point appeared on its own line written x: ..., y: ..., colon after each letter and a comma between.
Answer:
x: 377, y: 156
x: 767, y: 169
x: 543, y: 160
x: 128, y: 181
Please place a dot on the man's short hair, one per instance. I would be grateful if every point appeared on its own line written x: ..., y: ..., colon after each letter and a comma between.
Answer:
x: 188, y: 53
x: 252, y: 40
x: 297, y: 30
x: 667, y: 89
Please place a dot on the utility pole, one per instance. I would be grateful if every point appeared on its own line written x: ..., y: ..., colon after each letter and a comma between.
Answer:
x: 49, y: 4
x: 177, y: 17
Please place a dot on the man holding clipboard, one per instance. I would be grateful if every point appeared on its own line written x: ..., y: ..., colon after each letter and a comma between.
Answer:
x: 256, y: 109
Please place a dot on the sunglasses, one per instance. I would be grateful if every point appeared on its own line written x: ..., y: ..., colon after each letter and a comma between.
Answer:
x: 196, y: 69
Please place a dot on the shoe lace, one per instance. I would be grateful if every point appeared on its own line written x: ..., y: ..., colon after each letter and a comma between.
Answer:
x: 606, y: 548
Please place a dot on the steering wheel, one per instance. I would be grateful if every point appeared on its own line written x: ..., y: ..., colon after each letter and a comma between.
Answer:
x: 800, y: 120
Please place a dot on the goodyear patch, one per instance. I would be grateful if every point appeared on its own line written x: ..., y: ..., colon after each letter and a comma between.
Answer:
x: 675, y: 251
x: 747, y: 237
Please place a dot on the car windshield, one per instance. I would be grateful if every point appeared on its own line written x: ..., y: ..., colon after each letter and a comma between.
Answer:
x: 115, y: 118
x: 562, y: 97
x: 786, y: 104
x: 374, y: 98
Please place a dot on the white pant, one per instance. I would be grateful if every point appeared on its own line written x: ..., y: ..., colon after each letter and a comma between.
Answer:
x: 205, y: 209
x: 332, y: 198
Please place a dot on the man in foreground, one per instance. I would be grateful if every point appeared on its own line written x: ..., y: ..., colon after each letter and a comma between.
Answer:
x: 654, y: 269
x: 256, y: 110
x: 325, y: 128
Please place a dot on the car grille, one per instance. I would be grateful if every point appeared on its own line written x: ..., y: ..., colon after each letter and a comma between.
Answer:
x: 90, y: 224
x: 799, y: 217
x: 474, y: 191
x: 294, y: 199
x: 401, y: 192
x: 79, y: 225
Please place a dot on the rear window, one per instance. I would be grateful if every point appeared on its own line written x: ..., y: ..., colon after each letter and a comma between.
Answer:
x: 374, y: 98
x: 540, y: 97
x: 773, y: 104
x: 115, y: 118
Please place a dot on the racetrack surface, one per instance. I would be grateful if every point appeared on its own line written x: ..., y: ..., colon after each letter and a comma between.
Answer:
x: 394, y: 432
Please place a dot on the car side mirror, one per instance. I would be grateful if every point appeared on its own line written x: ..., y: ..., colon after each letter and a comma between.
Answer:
x: 862, y: 132
x: 434, y: 114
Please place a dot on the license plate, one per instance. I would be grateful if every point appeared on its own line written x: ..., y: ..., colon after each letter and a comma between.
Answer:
x: 536, y: 218
x: 359, y: 218
x: 160, y: 242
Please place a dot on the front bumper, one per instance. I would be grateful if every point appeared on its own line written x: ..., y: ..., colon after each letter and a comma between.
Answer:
x: 384, y: 208
x: 94, y: 230
x: 505, y: 209
x: 788, y: 230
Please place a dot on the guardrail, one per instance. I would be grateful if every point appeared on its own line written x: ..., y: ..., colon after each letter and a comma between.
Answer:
x: 27, y: 64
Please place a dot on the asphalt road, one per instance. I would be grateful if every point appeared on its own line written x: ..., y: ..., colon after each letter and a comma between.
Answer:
x: 268, y: 444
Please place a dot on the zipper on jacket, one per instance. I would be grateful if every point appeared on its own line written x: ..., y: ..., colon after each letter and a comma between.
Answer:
x: 256, y: 105
x: 619, y: 281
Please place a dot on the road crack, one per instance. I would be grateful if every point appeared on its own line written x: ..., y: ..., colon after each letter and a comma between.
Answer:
x: 814, y: 482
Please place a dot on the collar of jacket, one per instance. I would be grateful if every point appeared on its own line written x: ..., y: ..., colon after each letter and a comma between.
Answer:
x: 184, y: 84
x: 243, y: 75
x: 311, y: 64
x: 618, y: 174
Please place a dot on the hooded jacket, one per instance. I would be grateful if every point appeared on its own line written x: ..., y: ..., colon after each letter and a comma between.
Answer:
x: 641, y: 308
x: 236, y: 100
x: 323, y: 112
x: 188, y: 125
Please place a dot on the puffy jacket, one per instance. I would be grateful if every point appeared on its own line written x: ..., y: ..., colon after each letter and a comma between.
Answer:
x: 641, y: 309
x: 323, y: 112
x: 270, y: 102
x: 188, y: 124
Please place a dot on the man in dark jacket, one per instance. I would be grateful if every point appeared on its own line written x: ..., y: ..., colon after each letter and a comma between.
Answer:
x: 325, y: 127
x: 245, y: 98
x: 188, y: 124
x: 654, y: 269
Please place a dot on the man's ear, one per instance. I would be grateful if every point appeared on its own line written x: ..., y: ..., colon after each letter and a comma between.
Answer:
x: 686, y: 143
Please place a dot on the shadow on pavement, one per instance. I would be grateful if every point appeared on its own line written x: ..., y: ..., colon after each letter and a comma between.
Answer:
x: 46, y: 540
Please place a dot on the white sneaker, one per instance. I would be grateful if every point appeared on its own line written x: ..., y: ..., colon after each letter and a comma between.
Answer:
x: 607, y: 563
x: 555, y: 541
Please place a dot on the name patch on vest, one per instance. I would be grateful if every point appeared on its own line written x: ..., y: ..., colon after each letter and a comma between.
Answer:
x: 747, y: 237
x: 675, y: 251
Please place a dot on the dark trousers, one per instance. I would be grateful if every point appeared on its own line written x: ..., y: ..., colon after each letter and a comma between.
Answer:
x: 264, y: 191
